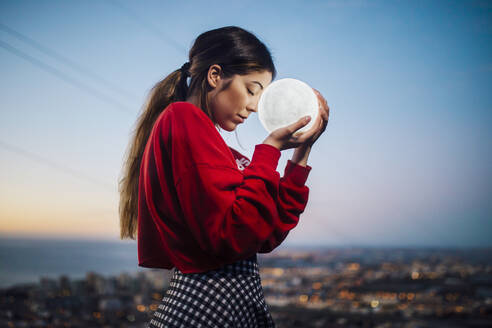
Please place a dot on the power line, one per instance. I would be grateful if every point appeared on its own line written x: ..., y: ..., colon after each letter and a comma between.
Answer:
x: 149, y: 27
x: 57, y: 166
x: 64, y: 59
x: 121, y: 107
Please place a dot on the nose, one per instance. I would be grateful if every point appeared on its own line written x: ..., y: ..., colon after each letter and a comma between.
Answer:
x: 253, y: 107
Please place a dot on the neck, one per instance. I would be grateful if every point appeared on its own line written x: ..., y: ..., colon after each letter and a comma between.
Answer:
x: 192, y: 99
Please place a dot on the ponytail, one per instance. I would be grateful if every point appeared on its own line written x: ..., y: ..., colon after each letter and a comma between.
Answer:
x: 170, y: 89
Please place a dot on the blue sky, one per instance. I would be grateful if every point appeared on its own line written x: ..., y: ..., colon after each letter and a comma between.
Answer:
x: 405, y: 159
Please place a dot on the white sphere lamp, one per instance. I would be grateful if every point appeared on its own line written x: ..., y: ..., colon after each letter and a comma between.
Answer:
x: 284, y: 102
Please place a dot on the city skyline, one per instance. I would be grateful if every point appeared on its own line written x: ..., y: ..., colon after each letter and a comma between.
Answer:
x: 383, y: 288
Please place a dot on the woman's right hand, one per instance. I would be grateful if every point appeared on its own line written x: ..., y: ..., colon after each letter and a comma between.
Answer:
x: 286, y: 137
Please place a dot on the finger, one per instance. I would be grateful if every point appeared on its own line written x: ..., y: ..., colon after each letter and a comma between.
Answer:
x: 291, y: 129
x: 310, y: 131
x: 319, y: 96
x: 320, y: 117
x: 296, y: 135
x: 325, y: 110
x: 323, y: 113
x: 304, y: 138
x: 320, y: 121
x: 307, y: 135
x: 325, y: 116
x: 322, y: 99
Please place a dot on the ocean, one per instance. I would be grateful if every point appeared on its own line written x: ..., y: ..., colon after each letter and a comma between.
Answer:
x: 25, y: 260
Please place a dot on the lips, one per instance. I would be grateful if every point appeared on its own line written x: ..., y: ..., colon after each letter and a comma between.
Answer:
x: 241, y: 118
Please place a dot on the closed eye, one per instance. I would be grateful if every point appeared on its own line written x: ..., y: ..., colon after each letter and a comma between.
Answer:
x: 251, y: 93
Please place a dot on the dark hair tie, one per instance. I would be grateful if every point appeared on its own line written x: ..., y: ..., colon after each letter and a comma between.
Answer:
x: 185, y: 67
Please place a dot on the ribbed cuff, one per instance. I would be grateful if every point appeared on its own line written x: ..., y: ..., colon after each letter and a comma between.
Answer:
x: 266, y: 154
x: 297, y: 173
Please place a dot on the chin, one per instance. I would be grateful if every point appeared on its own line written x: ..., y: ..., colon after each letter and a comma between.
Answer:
x: 229, y: 127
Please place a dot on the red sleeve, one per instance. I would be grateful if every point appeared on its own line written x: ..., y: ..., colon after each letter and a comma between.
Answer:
x: 230, y: 213
x: 293, y: 197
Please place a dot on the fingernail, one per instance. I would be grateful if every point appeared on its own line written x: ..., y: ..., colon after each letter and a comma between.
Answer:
x: 307, y: 118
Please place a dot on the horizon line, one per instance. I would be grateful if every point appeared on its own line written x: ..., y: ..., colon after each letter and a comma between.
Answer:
x: 290, y: 245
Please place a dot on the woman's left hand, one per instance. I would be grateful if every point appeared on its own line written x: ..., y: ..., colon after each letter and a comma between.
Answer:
x: 321, y: 120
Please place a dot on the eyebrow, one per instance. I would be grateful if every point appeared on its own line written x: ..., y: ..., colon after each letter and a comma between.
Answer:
x: 259, y: 84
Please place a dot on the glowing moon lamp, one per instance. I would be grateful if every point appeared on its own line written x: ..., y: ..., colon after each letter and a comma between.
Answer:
x: 284, y: 102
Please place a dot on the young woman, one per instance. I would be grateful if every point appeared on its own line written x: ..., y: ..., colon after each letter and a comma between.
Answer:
x: 201, y: 207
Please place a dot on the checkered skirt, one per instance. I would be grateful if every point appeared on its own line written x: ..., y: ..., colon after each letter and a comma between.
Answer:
x: 231, y: 296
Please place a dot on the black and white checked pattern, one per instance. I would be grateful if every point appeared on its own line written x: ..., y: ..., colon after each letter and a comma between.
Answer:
x: 231, y: 296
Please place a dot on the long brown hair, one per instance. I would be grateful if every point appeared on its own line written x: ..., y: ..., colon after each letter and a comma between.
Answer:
x: 237, y: 51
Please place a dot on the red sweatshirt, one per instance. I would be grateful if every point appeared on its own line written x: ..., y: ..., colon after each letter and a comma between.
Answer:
x: 201, y: 204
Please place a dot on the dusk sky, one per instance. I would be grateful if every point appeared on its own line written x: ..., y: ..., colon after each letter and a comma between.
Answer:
x: 405, y: 160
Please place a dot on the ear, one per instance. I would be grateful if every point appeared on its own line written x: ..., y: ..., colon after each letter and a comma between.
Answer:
x: 214, y: 75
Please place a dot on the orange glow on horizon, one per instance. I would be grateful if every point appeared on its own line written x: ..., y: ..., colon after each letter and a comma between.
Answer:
x: 58, y: 222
